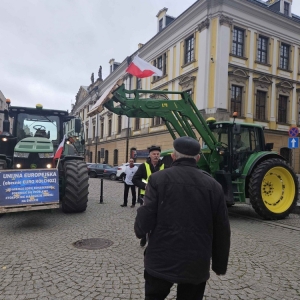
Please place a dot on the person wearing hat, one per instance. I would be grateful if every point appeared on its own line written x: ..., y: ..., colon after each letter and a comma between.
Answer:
x: 141, y: 176
x: 186, y: 217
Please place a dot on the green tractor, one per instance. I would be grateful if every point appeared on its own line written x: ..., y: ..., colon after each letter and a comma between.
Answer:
x: 236, y: 155
x: 42, y: 161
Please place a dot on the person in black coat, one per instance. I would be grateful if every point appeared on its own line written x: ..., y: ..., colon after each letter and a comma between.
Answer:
x: 186, y: 217
x: 140, y: 178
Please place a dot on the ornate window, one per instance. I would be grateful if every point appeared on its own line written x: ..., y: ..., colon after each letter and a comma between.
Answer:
x: 238, y: 41
x: 161, y: 63
x: 284, y: 56
x: 260, y: 109
x: 262, y: 49
x: 189, y: 49
x: 236, y: 99
x: 282, y: 109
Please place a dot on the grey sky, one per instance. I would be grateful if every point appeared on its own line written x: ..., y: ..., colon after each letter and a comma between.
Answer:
x: 51, y: 47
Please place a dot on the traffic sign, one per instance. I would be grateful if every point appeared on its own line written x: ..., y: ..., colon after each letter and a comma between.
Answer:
x: 293, y: 142
x: 293, y: 131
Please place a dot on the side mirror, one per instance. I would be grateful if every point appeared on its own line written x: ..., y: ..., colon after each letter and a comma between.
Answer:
x: 269, y: 146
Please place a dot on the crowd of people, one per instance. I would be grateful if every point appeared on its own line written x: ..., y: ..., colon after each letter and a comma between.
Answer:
x: 183, y: 218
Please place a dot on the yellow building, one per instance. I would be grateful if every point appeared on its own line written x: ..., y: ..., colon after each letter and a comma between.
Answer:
x: 230, y: 55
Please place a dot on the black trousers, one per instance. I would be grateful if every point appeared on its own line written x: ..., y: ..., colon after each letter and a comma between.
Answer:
x: 159, y: 289
x: 133, y: 193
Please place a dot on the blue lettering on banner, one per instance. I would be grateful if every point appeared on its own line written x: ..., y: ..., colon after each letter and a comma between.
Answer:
x: 29, y: 187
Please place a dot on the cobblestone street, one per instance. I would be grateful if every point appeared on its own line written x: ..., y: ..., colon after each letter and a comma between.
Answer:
x: 39, y: 261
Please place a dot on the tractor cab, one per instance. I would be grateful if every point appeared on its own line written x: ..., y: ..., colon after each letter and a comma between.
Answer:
x: 35, y: 135
x: 238, y: 143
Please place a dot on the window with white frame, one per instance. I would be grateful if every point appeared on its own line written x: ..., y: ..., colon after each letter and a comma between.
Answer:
x: 189, y: 49
x: 238, y: 41
x: 284, y: 56
x: 161, y: 63
x: 236, y: 99
x: 260, y: 106
x: 262, y: 49
x: 282, y: 109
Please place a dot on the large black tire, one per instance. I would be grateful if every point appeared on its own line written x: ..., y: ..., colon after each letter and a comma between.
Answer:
x: 273, y: 189
x: 76, y: 187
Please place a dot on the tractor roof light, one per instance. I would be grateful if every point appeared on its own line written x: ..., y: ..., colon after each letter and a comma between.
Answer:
x: 39, y: 106
x: 210, y: 120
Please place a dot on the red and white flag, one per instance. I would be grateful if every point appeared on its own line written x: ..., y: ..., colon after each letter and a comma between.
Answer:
x: 60, y: 149
x: 141, y: 69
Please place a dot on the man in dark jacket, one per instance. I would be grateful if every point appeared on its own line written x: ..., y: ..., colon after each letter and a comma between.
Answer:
x: 186, y: 215
x: 141, y: 176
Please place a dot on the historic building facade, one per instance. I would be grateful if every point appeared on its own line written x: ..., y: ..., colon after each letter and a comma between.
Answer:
x: 230, y: 55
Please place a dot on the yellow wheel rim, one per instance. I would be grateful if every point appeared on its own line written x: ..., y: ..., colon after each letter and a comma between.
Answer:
x: 278, y: 190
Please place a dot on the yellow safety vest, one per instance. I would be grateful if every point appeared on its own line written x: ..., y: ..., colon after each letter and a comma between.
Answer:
x: 148, y: 171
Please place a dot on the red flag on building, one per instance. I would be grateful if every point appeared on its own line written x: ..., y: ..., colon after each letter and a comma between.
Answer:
x: 141, y: 69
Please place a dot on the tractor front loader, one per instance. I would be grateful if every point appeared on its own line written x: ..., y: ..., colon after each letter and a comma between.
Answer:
x: 251, y: 174
x: 42, y: 161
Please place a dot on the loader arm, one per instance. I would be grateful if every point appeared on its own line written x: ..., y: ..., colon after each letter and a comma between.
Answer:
x: 180, y: 116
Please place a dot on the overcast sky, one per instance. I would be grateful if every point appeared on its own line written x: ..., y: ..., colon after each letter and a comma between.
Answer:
x: 49, y: 48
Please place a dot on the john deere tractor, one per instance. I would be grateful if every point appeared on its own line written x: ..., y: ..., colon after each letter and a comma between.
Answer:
x: 236, y: 155
x: 42, y: 160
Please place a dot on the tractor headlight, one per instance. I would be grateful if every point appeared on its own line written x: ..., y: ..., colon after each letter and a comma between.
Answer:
x: 18, y: 166
x: 49, y: 166
x: 21, y: 154
x: 46, y: 155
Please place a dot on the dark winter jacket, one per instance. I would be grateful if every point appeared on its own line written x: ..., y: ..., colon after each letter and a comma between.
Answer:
x: 141, y: 173
x: 186, y: 213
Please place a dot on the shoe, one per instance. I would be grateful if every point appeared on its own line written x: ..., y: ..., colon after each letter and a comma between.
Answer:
x: 143, y: 242
x: 123, y: 205
x: 132, y: 206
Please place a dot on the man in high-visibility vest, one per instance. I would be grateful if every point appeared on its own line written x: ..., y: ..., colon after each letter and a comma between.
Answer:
x: 141, y: 176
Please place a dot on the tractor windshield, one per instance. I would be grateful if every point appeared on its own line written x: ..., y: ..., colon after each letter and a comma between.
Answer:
x: 29, y: 125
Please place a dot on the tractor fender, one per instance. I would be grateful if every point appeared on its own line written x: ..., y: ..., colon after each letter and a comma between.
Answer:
x: 255, y: 159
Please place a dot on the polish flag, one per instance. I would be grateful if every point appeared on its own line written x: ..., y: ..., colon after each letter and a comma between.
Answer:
x: 141, y: 69
x: 59, y: 150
